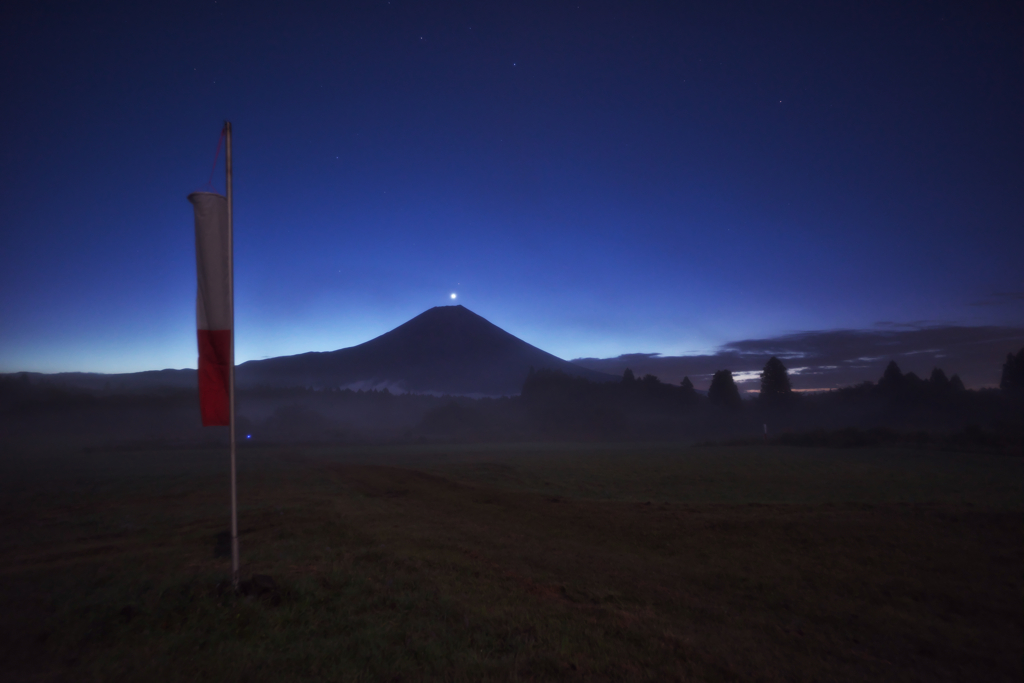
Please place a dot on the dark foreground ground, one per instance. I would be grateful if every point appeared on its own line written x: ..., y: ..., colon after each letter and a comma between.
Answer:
x: 517, y: 563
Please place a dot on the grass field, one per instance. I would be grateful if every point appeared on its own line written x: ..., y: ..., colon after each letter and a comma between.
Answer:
x: 525, y: 562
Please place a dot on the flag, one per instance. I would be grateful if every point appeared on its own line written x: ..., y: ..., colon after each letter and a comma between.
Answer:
x: 214, y: 310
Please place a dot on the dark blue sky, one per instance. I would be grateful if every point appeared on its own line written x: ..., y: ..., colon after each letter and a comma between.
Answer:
x: 596, y: 178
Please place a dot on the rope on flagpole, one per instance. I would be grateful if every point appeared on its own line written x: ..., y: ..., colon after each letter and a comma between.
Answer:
x: 216, y: 156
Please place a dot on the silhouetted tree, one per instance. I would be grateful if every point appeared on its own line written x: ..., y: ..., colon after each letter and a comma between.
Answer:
x: 628, y: 377
x: 775, y: 388
x: 1012, y: 380
x: 687, y: 391
x: 723, y: 391
x: 939, y: 379
x: 956, y: 384
x: 892, y: 379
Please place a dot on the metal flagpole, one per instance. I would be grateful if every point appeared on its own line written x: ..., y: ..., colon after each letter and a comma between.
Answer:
x: 231, y: 367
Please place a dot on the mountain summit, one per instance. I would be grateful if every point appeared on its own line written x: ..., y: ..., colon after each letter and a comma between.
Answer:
x: 447, y: 349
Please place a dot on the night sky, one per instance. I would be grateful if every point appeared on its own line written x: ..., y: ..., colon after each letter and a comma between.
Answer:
x: 596, y: 178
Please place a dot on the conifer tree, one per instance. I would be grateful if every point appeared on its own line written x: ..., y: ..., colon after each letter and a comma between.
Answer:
x: 939, y: 379
x: 1012, y: 379
x: 775, y: 388
x: 892, y: 380
x: 688, y: 392
x: 723, y: 391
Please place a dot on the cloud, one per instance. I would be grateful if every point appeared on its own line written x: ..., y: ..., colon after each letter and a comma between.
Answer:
x: 835, y: 358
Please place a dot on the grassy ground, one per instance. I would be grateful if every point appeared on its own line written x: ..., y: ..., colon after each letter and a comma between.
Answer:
x: 514, y: 563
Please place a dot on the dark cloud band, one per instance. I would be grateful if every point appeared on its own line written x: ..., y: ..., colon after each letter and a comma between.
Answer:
x: 835, y: 358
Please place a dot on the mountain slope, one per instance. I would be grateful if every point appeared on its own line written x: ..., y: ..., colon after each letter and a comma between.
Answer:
x: 447, y: 349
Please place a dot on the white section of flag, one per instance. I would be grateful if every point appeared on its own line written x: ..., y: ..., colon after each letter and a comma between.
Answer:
x: 213, y: 298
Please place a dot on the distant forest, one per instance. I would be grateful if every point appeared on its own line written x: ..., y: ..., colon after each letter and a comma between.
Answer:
x: 898, y: 407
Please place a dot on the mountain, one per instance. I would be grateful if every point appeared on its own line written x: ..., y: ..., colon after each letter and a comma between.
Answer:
x: 120, y: 383
x: 447, y: 349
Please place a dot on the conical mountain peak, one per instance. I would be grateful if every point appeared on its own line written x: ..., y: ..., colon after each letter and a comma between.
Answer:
x: 445, y: 349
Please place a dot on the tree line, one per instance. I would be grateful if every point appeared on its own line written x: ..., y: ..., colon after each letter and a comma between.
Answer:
x: 552, y: 405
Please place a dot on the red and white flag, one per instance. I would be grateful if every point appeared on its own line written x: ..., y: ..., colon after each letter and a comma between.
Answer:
x: 214, y: 310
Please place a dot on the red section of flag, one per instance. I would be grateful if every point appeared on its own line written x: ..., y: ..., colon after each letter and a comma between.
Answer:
x: 214, y: 377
